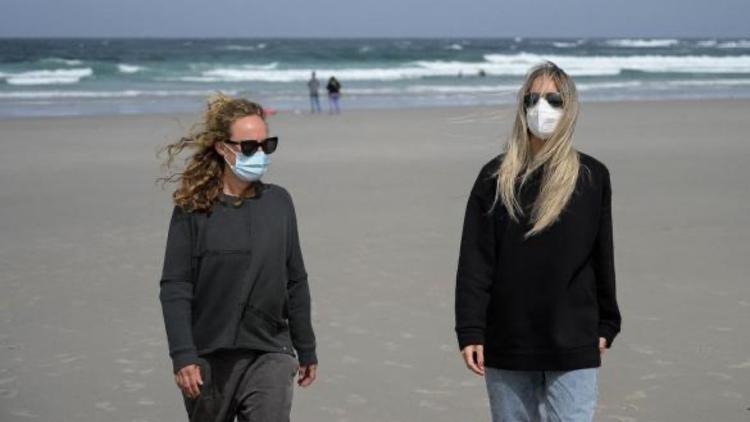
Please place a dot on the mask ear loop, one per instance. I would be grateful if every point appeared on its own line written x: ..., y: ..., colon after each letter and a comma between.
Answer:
x: 225, y: 156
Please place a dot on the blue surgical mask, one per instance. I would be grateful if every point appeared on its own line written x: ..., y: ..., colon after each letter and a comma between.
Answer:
x: 252, y: 168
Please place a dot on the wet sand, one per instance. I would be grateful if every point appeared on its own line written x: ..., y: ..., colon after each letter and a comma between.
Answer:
x: 380, y: 198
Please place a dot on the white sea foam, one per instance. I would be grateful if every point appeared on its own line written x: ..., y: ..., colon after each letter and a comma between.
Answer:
x: 205, y: 66
x: 734, y: 44
x: 565, y: 44
x: 235, y: 47
x: 33, y: 95
x: 47, y: 77
x: 706, y: 43
x: 493, y: 65
x: 590, y: 86
x: 69, y: 62
x: 713, y: 82
x: 501, y: 89
x: 435, y: 89
x: 505, y: 89
x: 234, y: 74
x: 614, y: 65
x: 642, y: 43
x: 128, y: 68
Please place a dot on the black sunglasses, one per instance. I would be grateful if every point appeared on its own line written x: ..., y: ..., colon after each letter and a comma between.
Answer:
x: 250, y: 147
x: 553, y: 98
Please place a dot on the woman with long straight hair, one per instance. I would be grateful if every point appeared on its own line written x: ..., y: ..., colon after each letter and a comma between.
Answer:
x: 234, y: 289
x: 535, y: 302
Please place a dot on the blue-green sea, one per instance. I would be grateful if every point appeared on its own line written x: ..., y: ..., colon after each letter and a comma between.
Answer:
x: 43, y: 77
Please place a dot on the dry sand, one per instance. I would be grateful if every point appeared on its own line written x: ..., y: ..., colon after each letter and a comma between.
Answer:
x: 380, y: 198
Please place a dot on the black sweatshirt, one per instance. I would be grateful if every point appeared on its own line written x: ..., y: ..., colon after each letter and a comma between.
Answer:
x: 540, y: 303
x: 234, y: 278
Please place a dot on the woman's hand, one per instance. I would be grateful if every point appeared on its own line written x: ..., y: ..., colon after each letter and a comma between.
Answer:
x: 602, y: 346
x: 188, y: 379
x: 307, y: 375
x: 474, y: 358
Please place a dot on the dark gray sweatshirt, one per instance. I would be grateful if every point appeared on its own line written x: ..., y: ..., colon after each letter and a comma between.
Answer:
x: 234, y: 278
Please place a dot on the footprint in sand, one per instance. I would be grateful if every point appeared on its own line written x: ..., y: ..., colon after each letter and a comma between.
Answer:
x: 146, y: 371
x: 642, y: 349
x: 355, y: 399
x: 447, y: 348
x: 349, y: 360
x: 333, y: 410
x: 8, y: 393
x: 398, y: 364
x: 130, y: 386
x: 732, y: 395
x: 431, y: 392
x: 468, y: 384
x: 743, y: 365
x: 105, y: 405
x: 619, y: 418
x: 356, y: 330
x: 429, y: 404
x: 391, y: 346
x: 145, y: 402
x: 24, y: 413
x: 636, y: 395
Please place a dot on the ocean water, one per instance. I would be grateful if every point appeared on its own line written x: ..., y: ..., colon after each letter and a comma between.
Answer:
x: 47, y: 77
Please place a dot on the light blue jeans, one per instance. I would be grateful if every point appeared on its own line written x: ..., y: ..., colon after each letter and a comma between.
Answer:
x: 530, y: 396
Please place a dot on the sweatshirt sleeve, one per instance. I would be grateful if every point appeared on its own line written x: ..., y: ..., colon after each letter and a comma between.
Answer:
x: 300, y: 324
x: 476, y: 263
x: 604, y: 268
x: 176, y: 291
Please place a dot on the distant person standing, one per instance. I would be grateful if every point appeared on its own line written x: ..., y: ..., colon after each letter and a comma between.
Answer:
x: 334, y: 92
x: 314, y: 85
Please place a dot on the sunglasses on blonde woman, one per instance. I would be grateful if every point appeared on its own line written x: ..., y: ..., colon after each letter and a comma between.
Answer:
x: 553, y: 98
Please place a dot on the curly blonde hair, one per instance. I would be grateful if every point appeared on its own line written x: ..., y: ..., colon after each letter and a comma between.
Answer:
x: 200, y: 183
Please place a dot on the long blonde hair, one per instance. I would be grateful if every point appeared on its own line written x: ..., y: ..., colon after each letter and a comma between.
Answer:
x: 201, y: 181
x: 557, y: 156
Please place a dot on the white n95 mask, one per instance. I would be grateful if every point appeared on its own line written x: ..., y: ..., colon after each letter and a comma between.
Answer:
x: 542, y: 119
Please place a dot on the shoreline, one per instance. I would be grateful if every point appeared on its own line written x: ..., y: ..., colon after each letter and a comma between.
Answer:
x: 376, y: 110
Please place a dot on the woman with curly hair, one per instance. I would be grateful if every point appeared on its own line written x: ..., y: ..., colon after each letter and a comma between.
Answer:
x: 234, y: 291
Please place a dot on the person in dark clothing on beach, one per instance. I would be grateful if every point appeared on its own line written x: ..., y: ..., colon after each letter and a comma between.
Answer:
x: 233, y: 289
x: 334, y: 93
x: 535, y: 302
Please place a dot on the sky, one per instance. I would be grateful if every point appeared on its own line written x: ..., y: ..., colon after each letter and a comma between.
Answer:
x: 375, y: 18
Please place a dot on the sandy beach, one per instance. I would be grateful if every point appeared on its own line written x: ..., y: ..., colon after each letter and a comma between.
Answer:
x: 380, y: 198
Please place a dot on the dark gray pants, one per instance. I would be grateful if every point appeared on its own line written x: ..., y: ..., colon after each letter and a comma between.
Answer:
x: 253, y: 387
